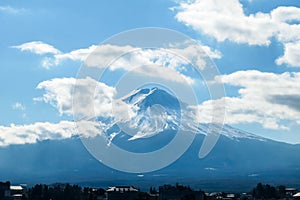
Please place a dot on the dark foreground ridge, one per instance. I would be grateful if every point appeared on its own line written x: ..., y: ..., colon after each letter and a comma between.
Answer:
x: 59, y: 191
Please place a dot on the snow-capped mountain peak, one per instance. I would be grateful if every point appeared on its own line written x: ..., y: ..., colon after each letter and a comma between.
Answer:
x: 156, y: 111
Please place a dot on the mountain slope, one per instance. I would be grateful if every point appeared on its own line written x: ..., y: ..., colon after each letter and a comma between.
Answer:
x: 67, y: 160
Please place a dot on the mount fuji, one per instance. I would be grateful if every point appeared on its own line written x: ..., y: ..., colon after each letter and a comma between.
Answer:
x: 237, y: 162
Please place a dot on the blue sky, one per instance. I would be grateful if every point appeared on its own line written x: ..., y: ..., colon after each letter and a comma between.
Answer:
x: 258, y: 44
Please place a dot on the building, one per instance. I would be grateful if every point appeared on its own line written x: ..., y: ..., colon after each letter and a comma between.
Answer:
x: 5, y: 190
x: 246, y: 196
x: 16, y: 192
x: 99, y: 193
x: 290, y: 192
x: 296, y: 196
x: 152, y: 196
x: 229, y: 196
x: 122, y: 192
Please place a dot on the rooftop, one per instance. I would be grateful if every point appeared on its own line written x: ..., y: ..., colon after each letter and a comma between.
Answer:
x: 16, y: 187
x: 290, y: 189
x: 122, y: 189
x: 297, y: 195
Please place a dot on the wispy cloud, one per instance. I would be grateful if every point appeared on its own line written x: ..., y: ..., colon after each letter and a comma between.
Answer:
x: 96, y: 56
x: 109, y: 52
x: 37, y: 47
x: 18, y: 106
x: 11, y: 10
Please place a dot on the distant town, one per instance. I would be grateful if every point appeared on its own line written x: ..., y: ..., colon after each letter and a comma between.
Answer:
x: 59, y: 191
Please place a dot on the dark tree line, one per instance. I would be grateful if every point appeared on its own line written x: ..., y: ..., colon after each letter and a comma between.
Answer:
x: 65, y: 192
x: 268, y: 192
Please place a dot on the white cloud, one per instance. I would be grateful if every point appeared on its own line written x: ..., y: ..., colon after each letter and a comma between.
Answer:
x: 18, y: 106
x: 164, y: 73
x: 26, y: 134
x: 286, y: 14
x: 130, y: 58
x: 288, y: 34
x: 11, y: 10
x: 291, y: 54
x: 173, y: 60
x: 78, y: 54
x: 195, y: 55
x: 214, y: 54
x: 75, y: 55
x: 265, y: 98
x: 210, y: 169
x: 228, y: 21
x: 283, y: 18
x: 37, y: 47
x: 39, y: 131
x: 59, y: 93
x: 105, y: 53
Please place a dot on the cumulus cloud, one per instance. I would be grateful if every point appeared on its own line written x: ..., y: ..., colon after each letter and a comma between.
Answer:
x: 286, y: 14
x: 291, y: 54
x: 39, y: 131
x: 266, y: 98
x: 26, y: 134
x: 228, y: 21
x: 59, y: 93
